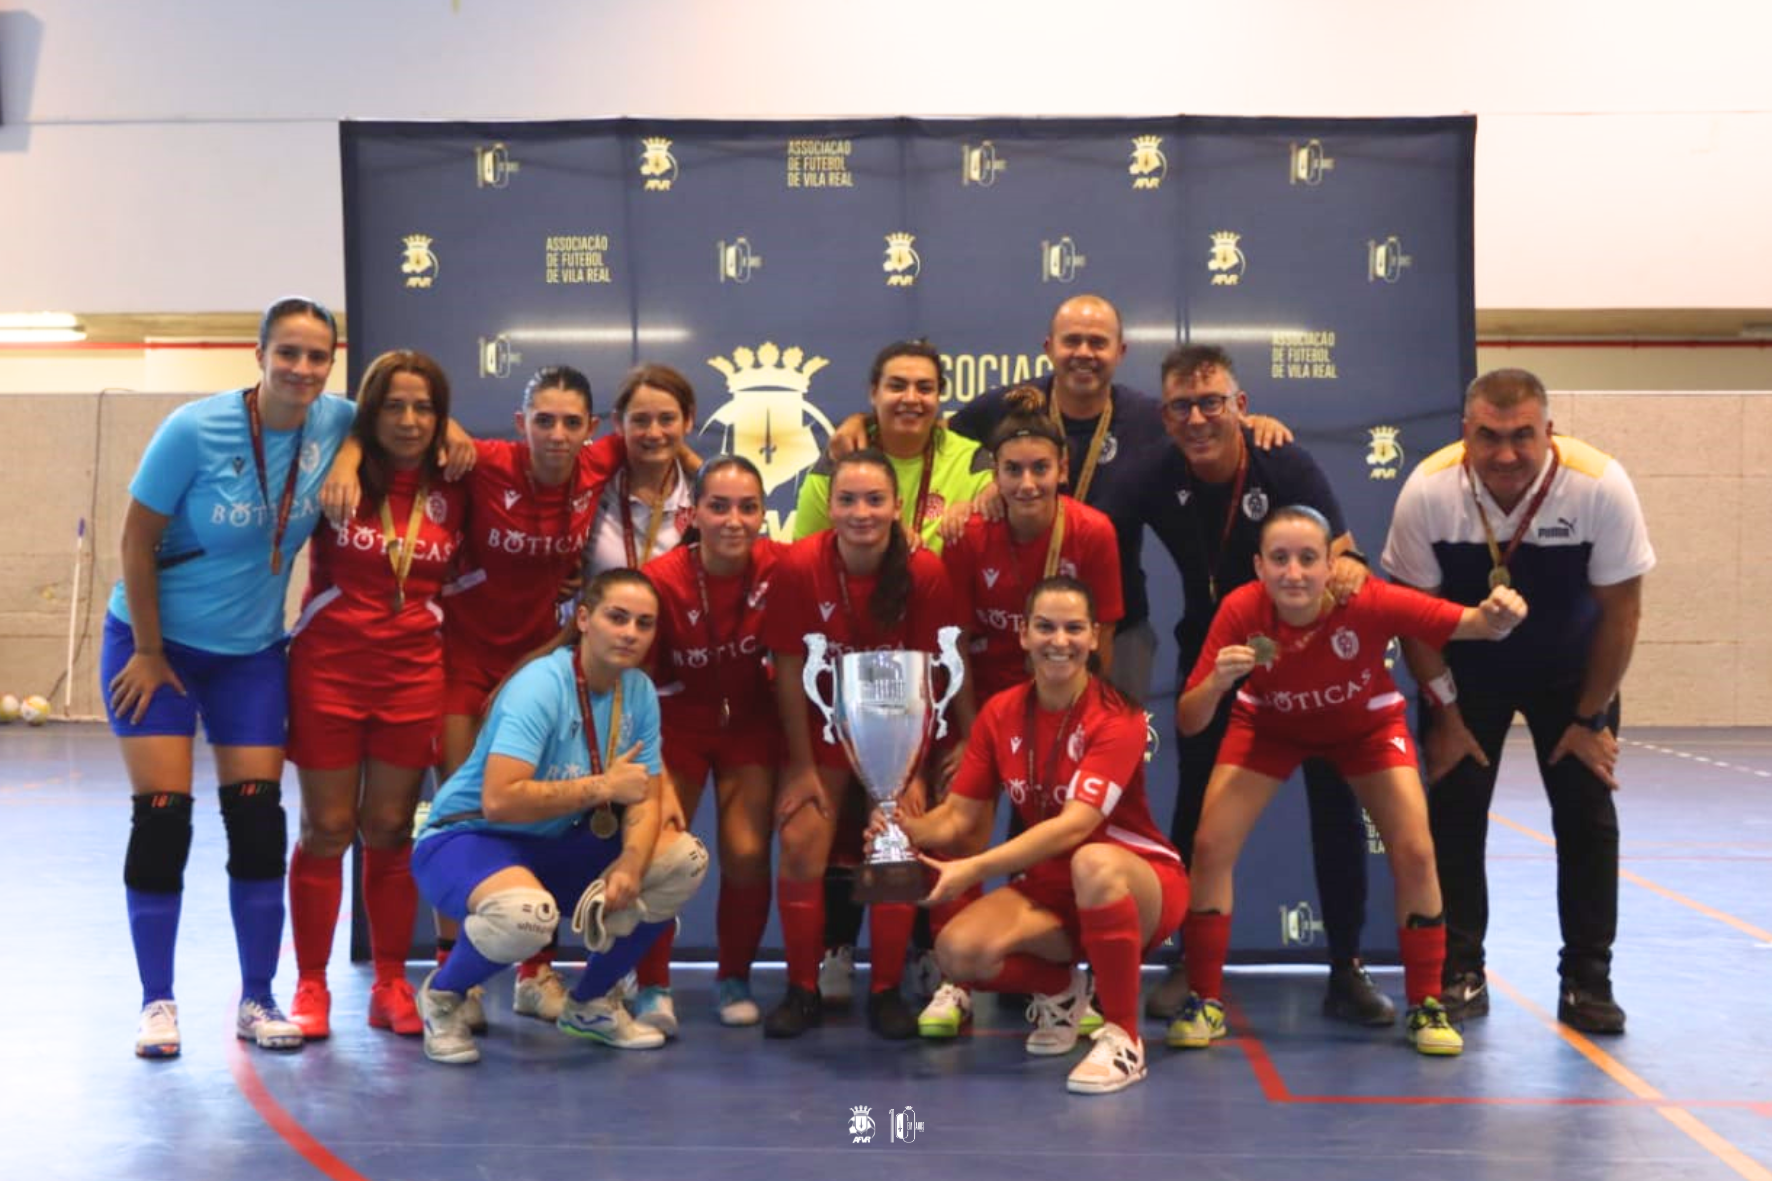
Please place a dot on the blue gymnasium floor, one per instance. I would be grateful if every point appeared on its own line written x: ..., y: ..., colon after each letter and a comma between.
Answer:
x: 1686, y: 1094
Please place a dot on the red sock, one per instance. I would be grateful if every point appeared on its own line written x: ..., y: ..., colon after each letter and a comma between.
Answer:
x: 1110, y: 937
x: 1028, y: 973
x: 391, y: 899
x: 889, y: 935
x: 739, y: 919
x: 801, y: 906
x: 1424, y: 956
x: 1207, y: 937
x: 942, y: 913
x: 531, y: 967
x: 316, y: 886
x: 654, y: 968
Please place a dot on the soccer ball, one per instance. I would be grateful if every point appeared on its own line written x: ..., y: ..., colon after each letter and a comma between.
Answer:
x: 34, y: 710
x: 9, y: 707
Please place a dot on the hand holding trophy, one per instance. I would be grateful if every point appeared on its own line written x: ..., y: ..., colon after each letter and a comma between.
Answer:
x: 884, y: 712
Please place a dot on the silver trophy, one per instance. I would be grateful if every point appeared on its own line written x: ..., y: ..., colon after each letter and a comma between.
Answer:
x: 884, y: 710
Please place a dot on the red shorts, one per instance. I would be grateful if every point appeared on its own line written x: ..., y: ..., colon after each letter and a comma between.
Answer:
x: 339, y: 717
x: 1048, y: 886
x: 469, y: 682
x: 1386, y: 745
x: 692, y: 750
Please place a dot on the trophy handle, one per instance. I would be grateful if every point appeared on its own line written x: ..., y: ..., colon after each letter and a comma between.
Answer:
x: 816, y: 664
x: 948, y: 640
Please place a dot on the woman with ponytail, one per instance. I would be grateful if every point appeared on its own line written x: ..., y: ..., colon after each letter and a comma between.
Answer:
x: 560, y: 805
x: 719, y: 718
x: 863, y: 587
x: 1093, y: 877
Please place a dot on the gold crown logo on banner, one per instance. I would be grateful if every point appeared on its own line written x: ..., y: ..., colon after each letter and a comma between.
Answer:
x: 767, y: 419
x: 1227, y: 261
x: 1149, y: 165
x: 657, y: 164
x: 419, y: 263
x: 1385, y: 457
x: 903, y: 263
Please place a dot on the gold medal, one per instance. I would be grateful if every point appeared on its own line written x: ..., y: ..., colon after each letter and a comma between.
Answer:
x: 1498, y: 576
x: 603, y: 823
x: 1266, y: 651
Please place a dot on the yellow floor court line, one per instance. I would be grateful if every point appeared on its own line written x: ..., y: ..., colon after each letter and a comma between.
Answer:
x: 1700, y: 1132
x: 1636, y: 879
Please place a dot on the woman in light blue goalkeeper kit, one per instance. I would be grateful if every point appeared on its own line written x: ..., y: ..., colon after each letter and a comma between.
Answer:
x: 227, y: 493
x: 560, y: 805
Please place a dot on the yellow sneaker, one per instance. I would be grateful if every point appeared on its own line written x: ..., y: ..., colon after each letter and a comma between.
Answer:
x: 1431, y: 1032
x: 1198, y: 1025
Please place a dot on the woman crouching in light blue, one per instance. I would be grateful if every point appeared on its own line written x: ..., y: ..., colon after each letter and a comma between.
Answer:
x: 539, y: 817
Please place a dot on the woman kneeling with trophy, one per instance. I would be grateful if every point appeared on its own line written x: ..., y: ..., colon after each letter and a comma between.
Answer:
x: 1093, y: 876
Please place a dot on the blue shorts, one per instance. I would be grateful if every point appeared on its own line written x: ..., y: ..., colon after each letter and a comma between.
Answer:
x: 449, y: 866
x: 243, y: 700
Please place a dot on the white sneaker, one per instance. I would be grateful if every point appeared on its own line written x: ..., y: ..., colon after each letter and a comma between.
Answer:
x: 836, y: 975
x: 604, y: 1019
x: 156, y: 1034
x: 473, y: 1009
x: 1056, y: 1017
x: 265, y: 1024
x: 448, y: 1038
x: 542, y: 995
x: 732, y: 997
x: 654, y: 1007
x: 1113, y: 1063
x: 947, y: 1012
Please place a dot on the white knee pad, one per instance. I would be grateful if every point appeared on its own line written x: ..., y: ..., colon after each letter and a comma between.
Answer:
x: 676, y: 873
x: 512, y: 925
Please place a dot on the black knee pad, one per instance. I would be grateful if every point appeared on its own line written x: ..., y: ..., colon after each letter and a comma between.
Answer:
x: 258, y: 834
x: 159, y: 843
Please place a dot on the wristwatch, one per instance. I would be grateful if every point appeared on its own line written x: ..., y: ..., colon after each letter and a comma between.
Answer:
x: 1596, y: 722
x: 1357, y: 556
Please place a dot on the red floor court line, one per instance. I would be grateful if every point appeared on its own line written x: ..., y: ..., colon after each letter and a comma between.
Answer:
x: 1709, y: 912
x: 277, y: 1117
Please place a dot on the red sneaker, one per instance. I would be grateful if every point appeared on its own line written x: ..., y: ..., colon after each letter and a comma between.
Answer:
x: 311, y: 1009
x: 392, y: 1005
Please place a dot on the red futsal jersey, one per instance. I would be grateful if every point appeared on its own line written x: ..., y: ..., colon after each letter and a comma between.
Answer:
x: 1093, y: 751
x: 1329, y: 684
x: 807, y: 594
x: 991, y: 575
x: 710, y: 651
x: 523, y: 542
x: 349, y: 615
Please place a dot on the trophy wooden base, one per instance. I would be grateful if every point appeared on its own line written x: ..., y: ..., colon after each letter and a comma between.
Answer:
x: 891, y: 881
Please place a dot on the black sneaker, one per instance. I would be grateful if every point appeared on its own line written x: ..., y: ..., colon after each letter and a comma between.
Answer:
x: 1466, y: 995
x: 1352, y: 997
x: 890, y: 1017
x: 1165, y: 999
x: 1590, y: 1008
x: 800, y: 1010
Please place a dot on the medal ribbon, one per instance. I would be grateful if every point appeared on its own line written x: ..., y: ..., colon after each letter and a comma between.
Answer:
x: 1027, y: 730
x: 1053, y: 549
x: 400, y: 552
x: 707, y: 613
x: 598, y: 759
x: 1230, y: 521
x: 655, y: 519
x: 1496, y: 556
x: 1096, y: 442
x: 257, y: 424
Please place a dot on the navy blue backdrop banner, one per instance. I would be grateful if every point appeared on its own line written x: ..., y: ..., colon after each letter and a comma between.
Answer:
x: 769, y: 261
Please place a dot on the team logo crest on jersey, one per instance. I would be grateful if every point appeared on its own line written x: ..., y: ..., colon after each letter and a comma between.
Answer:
x: 698, y: 658
x: 1110, y: 447
x: 1067, y: 568
x: 1074, y: 748
x: 991, y: 576
x: 1018, y: 790
x: 580, y: 503
x: 756, y: 599
x: 769, y: 420
x: 310, y: 458
x: 436, y: 508
x: 1183, y: 495
x: 1345, y: 643
x: 685, y: 514
x: 1255, y: 504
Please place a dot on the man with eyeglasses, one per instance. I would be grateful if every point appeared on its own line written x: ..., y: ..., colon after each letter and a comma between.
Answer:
x: 1205, y: 497
x: 1560, y: 522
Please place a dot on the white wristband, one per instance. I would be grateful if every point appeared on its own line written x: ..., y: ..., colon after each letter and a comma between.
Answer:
x: 1442, y: 691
